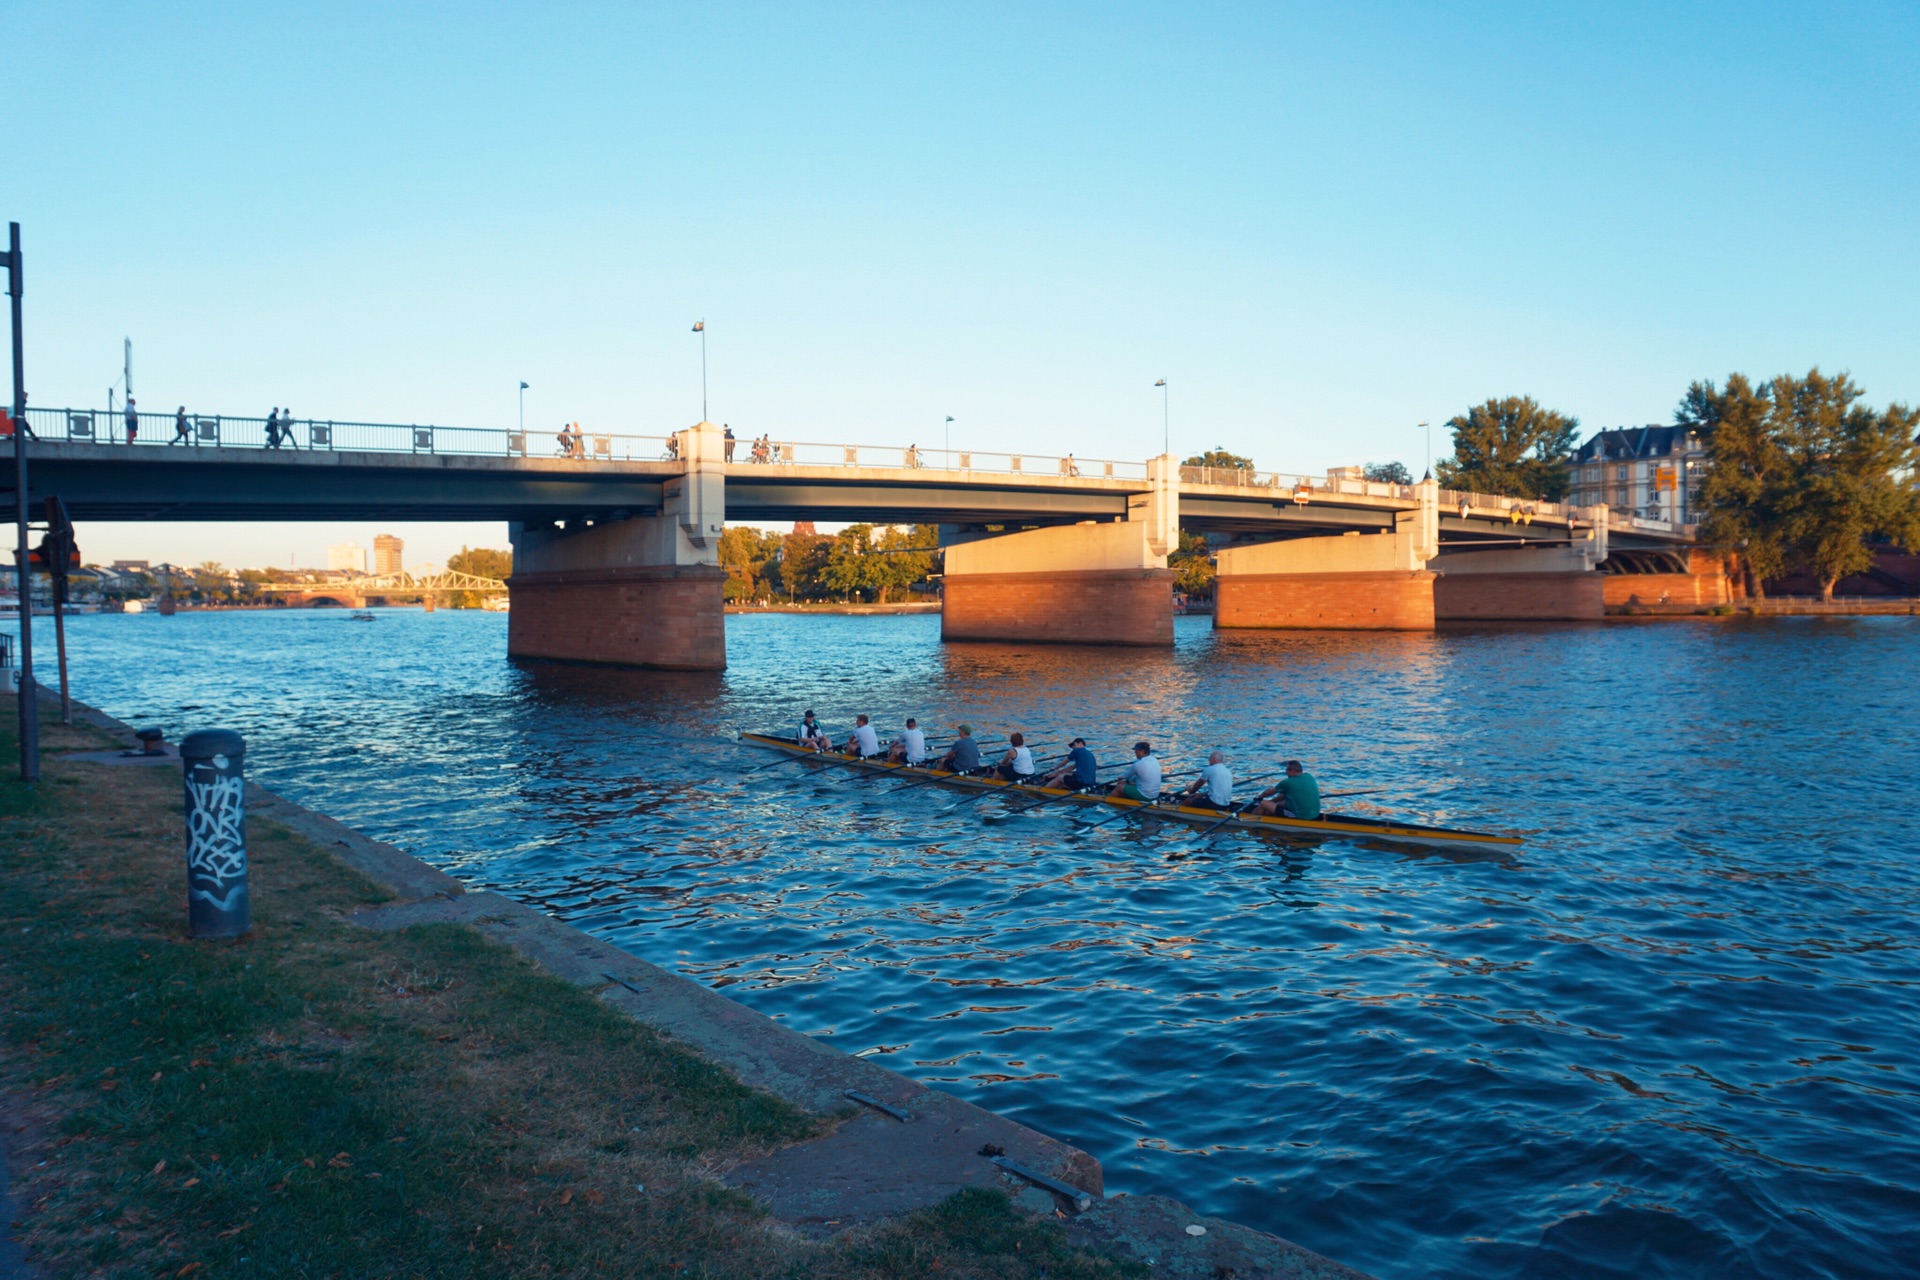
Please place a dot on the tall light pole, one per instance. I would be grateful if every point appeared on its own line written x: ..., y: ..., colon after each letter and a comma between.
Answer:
x: 523, y: 410
x: 700, y: 327
x: 1428, y: 428
x: 946, y: 441
x: 28, y: 700
x: 1166, y: 433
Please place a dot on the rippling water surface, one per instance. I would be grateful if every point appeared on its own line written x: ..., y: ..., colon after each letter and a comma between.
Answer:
x: 1674, y: 1036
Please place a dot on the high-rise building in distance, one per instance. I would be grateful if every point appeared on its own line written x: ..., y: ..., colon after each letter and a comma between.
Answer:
x: 386, y: 554
x: 350, y: 556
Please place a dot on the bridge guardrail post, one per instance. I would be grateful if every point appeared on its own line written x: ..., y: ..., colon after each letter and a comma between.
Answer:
x: 212, y: 763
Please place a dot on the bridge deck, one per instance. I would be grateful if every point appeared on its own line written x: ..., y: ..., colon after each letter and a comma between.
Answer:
x: 147, y: 481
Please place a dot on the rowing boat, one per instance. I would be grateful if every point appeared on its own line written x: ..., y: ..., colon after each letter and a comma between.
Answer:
x: 1327, y: 824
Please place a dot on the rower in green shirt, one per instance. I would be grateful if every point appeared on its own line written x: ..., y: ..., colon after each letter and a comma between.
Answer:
x: 1296, y: 796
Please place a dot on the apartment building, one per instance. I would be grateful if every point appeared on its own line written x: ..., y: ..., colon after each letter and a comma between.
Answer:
x: 1650, y: 472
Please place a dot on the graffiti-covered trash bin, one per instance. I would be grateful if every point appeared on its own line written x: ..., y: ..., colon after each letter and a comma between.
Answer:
x: 211, y: 761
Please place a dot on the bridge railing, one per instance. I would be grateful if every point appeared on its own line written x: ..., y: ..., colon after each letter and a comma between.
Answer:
x: 161, y: 430
x: 223, y: 431
x: 779, y: 453
x: 1539, y: 508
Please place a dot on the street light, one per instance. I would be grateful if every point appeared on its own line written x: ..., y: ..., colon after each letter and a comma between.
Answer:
x: 946, y: 442
x: 523, y: 408
x: 1428, y: 428
x: 1166, y: 436
x: 700, y: 327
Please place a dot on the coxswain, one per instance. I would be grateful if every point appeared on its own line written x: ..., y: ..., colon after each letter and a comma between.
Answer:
x: 1141, y: 781
x: 911, y: 746
x: 812, y: 735
x: 1017, y: 764
x: 1295, y: 796
x: 863, y: 743
x: 1213, y: 789
x: 1078, y: 772
x: 964, y: 755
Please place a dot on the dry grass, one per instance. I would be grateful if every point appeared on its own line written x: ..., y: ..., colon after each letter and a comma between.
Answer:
x: 321, y: 1100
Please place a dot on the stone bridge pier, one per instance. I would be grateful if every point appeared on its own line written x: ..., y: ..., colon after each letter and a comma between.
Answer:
x: 1554, y: 581
x: 1349, y: 582
x: 1405, y: 579
x: 1090, y: 583
x: 645, y: 591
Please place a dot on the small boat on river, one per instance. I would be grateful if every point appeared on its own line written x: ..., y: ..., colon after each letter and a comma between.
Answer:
x: 1379, y: 830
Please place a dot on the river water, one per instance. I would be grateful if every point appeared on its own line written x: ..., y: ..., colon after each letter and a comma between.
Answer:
x: 1674, y: 1035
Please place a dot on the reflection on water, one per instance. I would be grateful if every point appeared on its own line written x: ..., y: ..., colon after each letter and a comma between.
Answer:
x: 1673, y: 1036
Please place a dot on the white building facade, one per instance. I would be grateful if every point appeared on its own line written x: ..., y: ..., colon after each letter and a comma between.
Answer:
x: 1650, y: 472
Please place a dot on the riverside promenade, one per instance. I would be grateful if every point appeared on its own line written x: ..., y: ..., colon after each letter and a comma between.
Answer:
x: 394, y: 1072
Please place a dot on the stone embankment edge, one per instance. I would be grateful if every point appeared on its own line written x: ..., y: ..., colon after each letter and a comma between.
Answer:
x: 872, y: 1165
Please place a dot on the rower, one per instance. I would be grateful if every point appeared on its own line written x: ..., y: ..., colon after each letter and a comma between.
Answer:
x: 1141, y: 781
x: 1213, y: 789
x: 1017, y: 764
x: 964, y: 755
x: 812, y: 735
x: 1295, y: 796
x: 1080, y: 770
x: 911, y: 747
x: 863, y: 743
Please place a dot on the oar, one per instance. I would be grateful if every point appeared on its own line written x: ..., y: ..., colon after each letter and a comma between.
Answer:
x: 776, y: 763
x: 989, y: 791
x: 1370, y: 791
x: 1065, y: 795
x: 1239, y: 809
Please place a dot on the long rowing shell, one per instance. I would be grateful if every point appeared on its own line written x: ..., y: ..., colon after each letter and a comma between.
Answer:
x: 1316, y: 828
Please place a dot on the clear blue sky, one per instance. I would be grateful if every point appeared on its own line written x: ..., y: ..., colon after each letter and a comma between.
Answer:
x: 1322, y: 225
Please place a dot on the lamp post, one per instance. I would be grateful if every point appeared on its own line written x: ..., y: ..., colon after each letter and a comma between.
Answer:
x: 28, y: 700
x: 523, y: 409
x: 700, y: 327
x: 1166, y: 435
x: 1428, y: 428
x: 946, y: 441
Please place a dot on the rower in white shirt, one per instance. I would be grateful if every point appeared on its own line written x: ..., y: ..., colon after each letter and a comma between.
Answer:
x: 1017, y: 764
x: 912, y: 745
x: 863, y: 742
x: 1213, y: 789
x: 1141, y: 781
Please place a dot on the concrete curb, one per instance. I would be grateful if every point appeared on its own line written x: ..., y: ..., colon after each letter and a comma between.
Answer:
x: 873, y: 1164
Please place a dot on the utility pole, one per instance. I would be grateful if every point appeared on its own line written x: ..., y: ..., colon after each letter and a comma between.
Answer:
x: 700, y: 327
x: 29, y: 700
x: 1166, y: 431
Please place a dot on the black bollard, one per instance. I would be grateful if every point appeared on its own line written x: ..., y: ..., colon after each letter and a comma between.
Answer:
x: 212, y: 762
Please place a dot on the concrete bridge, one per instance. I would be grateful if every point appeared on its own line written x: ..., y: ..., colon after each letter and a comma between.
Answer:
x: 615, y: 537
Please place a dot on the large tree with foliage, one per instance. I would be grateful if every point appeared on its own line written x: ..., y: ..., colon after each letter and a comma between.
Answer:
x: 1744, y: 491
x: 748, y: 556
x: 1511, y: 446
x: 1219, y: 457
x: 803, y: 555
x: 1804, y: 475
x: 1193, y: 571
x: 873, y: 563
x: 1388, y: 473
x: 481, y: 562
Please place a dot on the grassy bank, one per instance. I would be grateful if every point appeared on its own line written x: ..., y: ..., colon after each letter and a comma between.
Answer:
x: 324, y: 1100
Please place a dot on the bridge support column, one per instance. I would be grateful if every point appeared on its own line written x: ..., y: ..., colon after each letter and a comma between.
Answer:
x: 1552, y: 582
x: 640, y: 592
x: 1353, y: 582
x: 1073, y: 584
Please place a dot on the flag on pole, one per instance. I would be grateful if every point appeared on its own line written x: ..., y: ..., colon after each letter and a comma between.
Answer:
x: 523, y: 386
x: 699, y: 326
